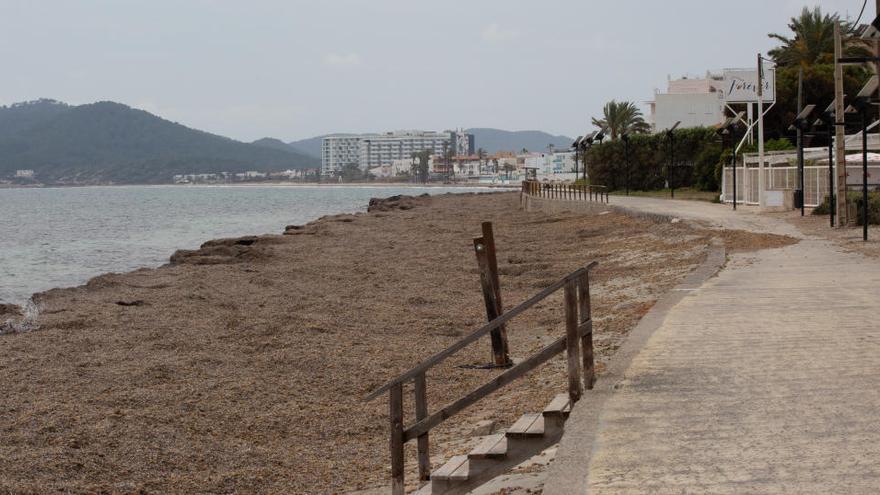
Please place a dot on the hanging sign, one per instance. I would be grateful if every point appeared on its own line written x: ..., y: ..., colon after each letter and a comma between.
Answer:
x: 741, y: 85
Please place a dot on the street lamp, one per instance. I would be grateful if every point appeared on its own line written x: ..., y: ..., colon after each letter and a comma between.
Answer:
x: 586, y: 144
x: 800, y: 125
x: 729, y: 128
x: 576, y: 146
x: 826, y: 118
x: 670, y: 134
x: 861, y: 104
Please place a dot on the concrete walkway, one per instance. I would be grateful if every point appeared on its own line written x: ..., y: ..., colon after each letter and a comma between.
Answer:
x: 763, y: 379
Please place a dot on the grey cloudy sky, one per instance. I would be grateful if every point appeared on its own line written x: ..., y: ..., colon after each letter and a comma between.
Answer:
x: 295, y: 69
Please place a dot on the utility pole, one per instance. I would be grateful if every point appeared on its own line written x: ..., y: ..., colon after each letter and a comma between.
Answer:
x: 760, y: 132
x: 800, y: 140
x: 839, y: 129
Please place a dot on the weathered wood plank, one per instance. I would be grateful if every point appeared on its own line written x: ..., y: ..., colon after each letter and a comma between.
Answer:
x: 421, y: 397
x: 456, y: 468
x: 586, y: 318
x: 491, y: 285
x: 491, y: 447
x: 528, y: 425
x: 561, y: 404
x: 572, y: 342
x: 396, y: 418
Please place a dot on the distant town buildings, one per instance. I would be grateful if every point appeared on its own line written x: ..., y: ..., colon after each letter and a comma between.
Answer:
x: 695, y: 102
x: 24, y: 174
x: 370, y: 151
x: 248, y: 176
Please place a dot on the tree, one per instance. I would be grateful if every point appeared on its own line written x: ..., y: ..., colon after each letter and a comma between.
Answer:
x: 620, y: 118
x: 422, y: 168
x: 810, y: 47
x: 813, y: 40
x: 481, y: 154
x: 508, y: 167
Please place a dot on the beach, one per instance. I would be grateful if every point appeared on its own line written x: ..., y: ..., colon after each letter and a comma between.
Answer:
x: 242, y: 366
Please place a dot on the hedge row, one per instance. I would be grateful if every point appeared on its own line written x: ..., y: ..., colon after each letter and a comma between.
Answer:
x: 697, y: 154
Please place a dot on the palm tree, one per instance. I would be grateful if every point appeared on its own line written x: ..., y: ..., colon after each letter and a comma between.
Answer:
x: 622, y: 118
x: 813, y: 41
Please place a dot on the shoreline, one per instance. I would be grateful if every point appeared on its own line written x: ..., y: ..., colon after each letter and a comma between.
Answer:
x: 17, y: 299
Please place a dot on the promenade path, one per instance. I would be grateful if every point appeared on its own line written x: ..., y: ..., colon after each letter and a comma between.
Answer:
x: 762, y: 379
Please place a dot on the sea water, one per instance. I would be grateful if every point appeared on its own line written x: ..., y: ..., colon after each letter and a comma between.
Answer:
x: 60, y: 237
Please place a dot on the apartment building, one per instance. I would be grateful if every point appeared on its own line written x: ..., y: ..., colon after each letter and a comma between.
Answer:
x: 695, y: 102
x: 369, y: 151
x: 339, y: 151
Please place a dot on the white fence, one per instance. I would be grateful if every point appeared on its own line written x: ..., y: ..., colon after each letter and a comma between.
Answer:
x: 786, y: 177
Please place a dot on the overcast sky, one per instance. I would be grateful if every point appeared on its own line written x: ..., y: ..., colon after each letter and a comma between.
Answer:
x: 295, y: 69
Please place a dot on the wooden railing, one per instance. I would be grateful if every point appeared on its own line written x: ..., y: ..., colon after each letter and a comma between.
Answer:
x: 578, y: 342
x: 573, y: 192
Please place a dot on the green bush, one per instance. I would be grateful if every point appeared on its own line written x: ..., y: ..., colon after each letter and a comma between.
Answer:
x: 873, y: 207
x: 697, y: 155
x: 824, y: 208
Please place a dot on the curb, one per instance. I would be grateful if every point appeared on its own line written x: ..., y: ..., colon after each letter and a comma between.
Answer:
x: 569, y: 472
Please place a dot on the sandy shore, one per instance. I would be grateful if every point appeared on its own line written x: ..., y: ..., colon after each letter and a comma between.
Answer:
x: 241, y: 367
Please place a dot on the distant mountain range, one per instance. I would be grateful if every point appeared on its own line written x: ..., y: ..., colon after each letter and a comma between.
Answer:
x: 108, y: 142
x: 491, y: 140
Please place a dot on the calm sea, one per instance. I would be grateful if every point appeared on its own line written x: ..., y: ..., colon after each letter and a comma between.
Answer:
x: 60, y: 237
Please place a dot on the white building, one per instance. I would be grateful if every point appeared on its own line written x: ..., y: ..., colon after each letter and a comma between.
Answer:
x: 557, y: 166
x: 24, y: 174
x: 337, y: 152
x: 369, y: 151
x: 695, y: 102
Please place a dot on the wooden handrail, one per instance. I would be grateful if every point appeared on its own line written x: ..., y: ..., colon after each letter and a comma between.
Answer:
x: 425, y: 425
x: 577, y: 342
x: 497, y: 322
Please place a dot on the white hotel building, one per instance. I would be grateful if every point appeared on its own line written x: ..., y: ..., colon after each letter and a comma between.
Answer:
x: 374, y: 150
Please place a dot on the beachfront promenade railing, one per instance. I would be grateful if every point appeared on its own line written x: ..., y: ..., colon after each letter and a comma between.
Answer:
x: 572, y: 192
x: 578, y: 342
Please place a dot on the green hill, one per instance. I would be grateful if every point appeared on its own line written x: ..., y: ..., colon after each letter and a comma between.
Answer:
x: 108, y: 142
x: 494, y: 140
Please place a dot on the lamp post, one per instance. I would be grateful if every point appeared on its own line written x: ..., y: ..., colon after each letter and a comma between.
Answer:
x: 728, y: 128
x: 826, y: 118
x: 625, y: 138
x: 670, y: 135
x: 862, y: 104
x: 800, y: 125
x: 576, y: 146
x: 586, y: 144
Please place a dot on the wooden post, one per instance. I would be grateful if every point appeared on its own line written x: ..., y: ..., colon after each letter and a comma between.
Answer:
x: 421, y: 392
x: 840, y: 131
x: 586, y: 315
x: 396, y: 415
x: 486, y: 260
x: 572, y: 343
